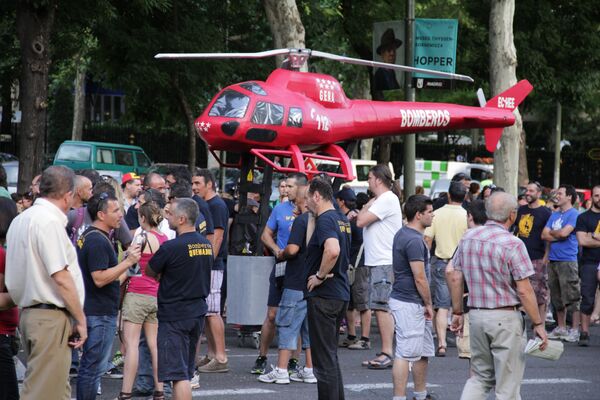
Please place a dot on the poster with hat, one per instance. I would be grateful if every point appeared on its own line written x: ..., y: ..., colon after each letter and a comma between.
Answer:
x: 388, y: 47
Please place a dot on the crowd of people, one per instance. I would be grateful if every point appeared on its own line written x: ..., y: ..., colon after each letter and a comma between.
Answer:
x: 146, y: 257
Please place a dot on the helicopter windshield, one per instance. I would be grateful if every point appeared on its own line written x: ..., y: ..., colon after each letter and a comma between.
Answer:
x: 267, y: 114
x: 230, y: 104
x: 254, y: 88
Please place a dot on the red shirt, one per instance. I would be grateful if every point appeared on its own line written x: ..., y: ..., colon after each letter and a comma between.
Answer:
x: 144, y: 284
x: 9, y: 319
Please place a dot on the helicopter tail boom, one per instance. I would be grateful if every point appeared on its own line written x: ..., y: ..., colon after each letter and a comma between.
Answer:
x: 507, y: 100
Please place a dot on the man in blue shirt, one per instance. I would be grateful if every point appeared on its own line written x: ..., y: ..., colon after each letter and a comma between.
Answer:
x: 563, y: 270
x: 278, y: 226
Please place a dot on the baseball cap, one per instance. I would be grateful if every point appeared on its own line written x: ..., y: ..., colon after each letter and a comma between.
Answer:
x: 129, y: 177
x: 346, y: 194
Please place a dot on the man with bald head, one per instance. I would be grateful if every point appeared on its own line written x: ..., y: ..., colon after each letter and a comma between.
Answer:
x: 496, y: 267
x: 82, y: 191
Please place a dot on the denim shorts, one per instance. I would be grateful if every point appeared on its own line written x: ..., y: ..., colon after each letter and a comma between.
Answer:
x: 381, y: 281
x: 177, y: 348
x: 438, y: 286
x: 291, y: 320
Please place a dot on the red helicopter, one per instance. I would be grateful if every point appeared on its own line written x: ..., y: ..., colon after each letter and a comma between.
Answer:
x: 301, y: 116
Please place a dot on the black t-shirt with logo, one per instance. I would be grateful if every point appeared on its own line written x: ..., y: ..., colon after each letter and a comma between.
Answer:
x: 529, y: 226
x: 96, y: 253
x: 184, y: 264
x: 220, y: 217
x: 295, y: 277
x: 589, y: 221
x: 330, y: 224
x: 205, y: 211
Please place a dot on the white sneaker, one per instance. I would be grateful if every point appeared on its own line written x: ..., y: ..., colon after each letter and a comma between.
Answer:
x: 195, y: 382
x: 99, y: 392
x: 573, y: 336
x: 275, y: 376
x: 304, y: 375
x: 558, y: 333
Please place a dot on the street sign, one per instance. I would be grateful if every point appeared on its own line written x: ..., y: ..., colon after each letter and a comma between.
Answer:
x: 435, y: 48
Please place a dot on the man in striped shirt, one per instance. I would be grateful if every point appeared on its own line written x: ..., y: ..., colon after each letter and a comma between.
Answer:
x: 496, y: 268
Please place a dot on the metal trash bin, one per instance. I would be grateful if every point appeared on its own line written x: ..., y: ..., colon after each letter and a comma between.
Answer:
x: 248, y: 289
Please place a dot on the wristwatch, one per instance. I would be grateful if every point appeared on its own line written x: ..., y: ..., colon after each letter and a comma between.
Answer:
x: 319, y: 278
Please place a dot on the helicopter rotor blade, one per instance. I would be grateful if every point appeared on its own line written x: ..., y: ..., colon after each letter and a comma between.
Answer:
x: 196, y: 56
x: 357, y: 61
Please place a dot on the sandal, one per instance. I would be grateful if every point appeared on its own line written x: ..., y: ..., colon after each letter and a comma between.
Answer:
x: 124, y: 396
x: 441, y: 351
x: 158, y: 395
x: 384, y: 363
x: 368, y: 362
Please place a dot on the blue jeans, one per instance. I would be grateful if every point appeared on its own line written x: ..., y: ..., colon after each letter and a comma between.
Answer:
x: 96, y: 354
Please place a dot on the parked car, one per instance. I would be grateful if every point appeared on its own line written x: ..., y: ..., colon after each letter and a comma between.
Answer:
x: 107, y: 158
x: 12, y: 173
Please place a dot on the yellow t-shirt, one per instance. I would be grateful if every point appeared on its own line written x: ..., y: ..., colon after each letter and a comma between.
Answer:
x: 448, y: 227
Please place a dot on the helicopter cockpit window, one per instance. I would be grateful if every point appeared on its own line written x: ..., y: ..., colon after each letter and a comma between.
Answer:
x: 230, y: 104
x: 295, y: 117
x: 254, y: 88
x: 267, y: 114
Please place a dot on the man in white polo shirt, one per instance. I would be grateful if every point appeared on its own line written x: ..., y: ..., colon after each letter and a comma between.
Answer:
x: 44, y: 279
x: 380, y: 219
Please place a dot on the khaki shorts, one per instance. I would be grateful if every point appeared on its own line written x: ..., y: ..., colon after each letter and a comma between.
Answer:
x: 563, y: 280
x: 359, y: 291
x: 539, y: 282
x: 463, y: 343
x: 140, y: 308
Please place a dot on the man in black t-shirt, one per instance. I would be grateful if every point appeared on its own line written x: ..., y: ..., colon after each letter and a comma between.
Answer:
x: 587, y: 231
x: 101, y: 276
x: 531, y: 220
x: 328, y: 291
x: 291, y: 319
x: 204, y: 183
x: 184, y: 266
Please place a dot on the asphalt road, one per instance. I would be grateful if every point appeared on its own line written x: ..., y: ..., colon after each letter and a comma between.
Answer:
x: 574, y: 376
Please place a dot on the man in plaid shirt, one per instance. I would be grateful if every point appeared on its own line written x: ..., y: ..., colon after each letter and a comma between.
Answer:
x: 496, y: 268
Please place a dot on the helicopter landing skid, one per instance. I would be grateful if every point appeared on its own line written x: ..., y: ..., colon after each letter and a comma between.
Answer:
x: 307, y: 163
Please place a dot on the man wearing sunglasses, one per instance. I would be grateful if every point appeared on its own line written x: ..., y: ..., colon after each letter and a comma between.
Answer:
x: 102, y: 275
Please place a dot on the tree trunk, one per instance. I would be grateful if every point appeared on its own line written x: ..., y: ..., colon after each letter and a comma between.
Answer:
x: 79, y: 104
x: 6, y: 108
x: 286, y: 25
x: 503, y: 64
x: 523, y: 170
x: 34, y: 26
x: 189, y: 119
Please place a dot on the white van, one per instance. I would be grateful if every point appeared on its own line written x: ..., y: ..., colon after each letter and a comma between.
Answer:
x: 360, y: 170
x: 427, y: 172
